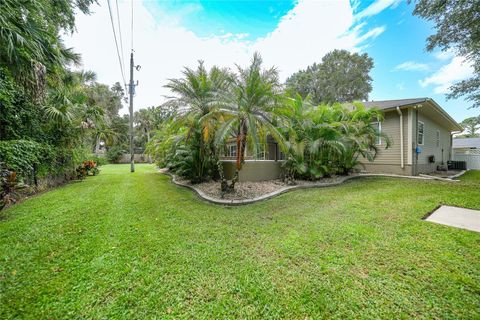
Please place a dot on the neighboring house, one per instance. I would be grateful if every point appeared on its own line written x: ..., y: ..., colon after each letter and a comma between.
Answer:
x: 466, y: 145
x: 421, y: 135
x: 420, y: 132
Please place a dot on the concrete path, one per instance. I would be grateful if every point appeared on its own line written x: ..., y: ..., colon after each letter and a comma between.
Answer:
x: 457, y: 217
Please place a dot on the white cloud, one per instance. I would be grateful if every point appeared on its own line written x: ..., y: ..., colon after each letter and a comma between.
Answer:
x: 412, y: 66
x: 444, y: 55
x: 400, y: 86
x: 458, y: 69
x: 377, y: 7
x: 163, y: 46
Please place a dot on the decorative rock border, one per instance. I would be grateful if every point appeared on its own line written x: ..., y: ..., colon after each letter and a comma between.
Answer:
x: 232, y: 202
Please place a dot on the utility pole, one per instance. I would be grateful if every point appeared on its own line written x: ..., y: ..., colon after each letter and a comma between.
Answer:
x: 132, y: 91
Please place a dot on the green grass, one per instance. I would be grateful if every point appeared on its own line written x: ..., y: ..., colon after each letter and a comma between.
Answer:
x: 123, y: 245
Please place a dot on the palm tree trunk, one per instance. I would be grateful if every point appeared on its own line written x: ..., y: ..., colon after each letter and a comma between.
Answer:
x: 241, y: 143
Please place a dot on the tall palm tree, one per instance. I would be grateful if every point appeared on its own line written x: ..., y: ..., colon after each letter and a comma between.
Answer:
x: 248, y: 110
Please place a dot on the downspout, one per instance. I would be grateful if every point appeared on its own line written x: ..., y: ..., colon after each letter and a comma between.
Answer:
x: 415, y: 169
x: 402, y: 164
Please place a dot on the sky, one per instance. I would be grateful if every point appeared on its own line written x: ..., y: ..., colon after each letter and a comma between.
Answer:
x: 291, y: 35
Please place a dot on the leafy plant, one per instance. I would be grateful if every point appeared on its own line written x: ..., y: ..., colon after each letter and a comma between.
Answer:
x: 9, y: 187
x: 114, y: 154
x: 88, y: 167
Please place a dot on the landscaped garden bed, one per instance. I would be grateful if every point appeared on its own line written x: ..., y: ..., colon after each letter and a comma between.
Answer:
x: 247, y: 190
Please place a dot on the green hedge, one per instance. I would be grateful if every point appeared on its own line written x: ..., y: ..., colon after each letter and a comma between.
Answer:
x: 30, y: 159
x: 23, y: 156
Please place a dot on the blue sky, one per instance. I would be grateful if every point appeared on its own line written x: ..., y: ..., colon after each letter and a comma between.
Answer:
x: 209, y: 18
x: 288, y: 34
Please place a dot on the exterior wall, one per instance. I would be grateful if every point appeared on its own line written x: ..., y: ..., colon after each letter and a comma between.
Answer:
x: 442, y: 153
x: 372, y: 167
x: 259, y: 170
x: 389, y: 160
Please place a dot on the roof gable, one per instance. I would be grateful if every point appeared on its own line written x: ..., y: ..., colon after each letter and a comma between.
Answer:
x: 386, y: 105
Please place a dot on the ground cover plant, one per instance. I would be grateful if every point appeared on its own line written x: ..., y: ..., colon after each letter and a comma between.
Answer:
x: 137, y: 246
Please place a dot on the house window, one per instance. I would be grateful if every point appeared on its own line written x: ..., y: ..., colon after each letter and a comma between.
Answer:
x: 378, y: 128
x: 438, y: 138
x: 421, y: 133
x: 232, y: 150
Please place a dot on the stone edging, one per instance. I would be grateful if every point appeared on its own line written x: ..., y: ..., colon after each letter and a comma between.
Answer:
x: 232, y: 202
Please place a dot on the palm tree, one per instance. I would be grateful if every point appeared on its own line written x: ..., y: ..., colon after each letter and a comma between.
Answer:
x: 30, y: 45
x: 196, y: 99
x: 324, y: 140
x: 248, y: 110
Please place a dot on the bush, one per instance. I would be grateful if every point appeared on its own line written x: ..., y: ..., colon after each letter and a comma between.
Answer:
x: 114, y: 154
x: 9, y: 187
x: 100, y: 161
x: 87, y: 168
x: 23, y: 156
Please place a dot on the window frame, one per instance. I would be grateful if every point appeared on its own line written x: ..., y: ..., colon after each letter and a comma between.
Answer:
x: 423, y: 133
x: 378, y: 140
x: 230, y: 147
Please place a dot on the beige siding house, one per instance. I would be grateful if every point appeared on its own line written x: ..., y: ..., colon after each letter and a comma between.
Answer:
x: 421, y: 135
x: 420, y: 132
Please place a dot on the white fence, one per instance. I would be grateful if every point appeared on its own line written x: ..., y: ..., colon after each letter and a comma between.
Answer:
x: 473, y: 160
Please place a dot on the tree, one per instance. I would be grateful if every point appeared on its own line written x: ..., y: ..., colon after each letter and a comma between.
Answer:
x: 248, y: 111
x: 196, y: 99
x: 340, y: 77
x: 30, y: 45
x: 457, y: 24
x: 471, y: 125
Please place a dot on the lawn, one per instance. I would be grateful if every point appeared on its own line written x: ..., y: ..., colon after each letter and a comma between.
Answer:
x: 123, y: 245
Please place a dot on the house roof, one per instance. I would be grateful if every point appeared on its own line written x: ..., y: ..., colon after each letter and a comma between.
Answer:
x: 392, y: 104
x: 466, y: 143
x: 386, y: 105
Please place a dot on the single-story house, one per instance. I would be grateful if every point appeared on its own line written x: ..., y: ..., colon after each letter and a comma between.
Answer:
x: 420, y: 132
x: 466, y: 145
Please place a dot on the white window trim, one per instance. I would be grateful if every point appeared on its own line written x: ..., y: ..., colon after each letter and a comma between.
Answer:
x: 437, y: 137
x: 423, y: 133
x: 229, y: 153
x: 380, y: 131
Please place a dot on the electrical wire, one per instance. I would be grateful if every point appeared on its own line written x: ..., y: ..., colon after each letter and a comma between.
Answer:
x: 120, y: 34
x: 116, y: 43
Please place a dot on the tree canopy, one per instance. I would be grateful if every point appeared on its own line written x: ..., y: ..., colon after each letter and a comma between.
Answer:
x: 340, y: 77
x: 457, y: 24
x: 471, y: 126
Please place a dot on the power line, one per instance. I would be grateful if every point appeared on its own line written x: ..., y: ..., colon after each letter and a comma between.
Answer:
x: 116, y: 43
x: 120, y: 34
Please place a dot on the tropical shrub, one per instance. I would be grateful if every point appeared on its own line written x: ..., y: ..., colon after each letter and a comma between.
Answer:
x: 23, y: 156
x: 99, y: 160
x: 87, y: 168
x: 196, y: 121
x: 325, y: 140
x: 9, y: 187
x: 114, y: 154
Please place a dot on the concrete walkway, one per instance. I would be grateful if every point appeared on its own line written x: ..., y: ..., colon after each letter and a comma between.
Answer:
x: 456, y: 217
